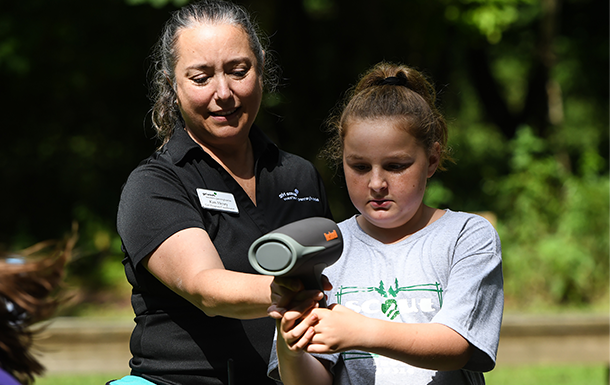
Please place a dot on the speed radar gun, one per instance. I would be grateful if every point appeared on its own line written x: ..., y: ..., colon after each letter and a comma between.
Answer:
x: 300, y: 249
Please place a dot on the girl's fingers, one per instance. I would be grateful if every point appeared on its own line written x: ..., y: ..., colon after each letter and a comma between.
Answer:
x: 305, y: 339
x: 299, y: 333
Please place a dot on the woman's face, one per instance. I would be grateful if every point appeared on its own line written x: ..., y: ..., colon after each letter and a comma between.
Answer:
x: 218, y: 88
x: 386, y: 171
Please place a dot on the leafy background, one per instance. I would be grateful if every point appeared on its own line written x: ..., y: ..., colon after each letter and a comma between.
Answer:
x: 523, y: 83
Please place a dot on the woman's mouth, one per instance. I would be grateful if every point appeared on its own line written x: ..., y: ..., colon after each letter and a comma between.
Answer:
x: 224, y: 113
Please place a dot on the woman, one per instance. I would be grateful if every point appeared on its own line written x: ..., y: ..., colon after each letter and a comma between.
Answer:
x: 189, y: 213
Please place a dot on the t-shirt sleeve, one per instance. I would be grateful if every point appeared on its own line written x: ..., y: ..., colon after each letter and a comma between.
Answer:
x: 154, y: 205
x: 273, y: 370
x: 473, y: 301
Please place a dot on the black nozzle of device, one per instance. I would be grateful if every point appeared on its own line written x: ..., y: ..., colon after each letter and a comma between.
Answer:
x: 301, y: 249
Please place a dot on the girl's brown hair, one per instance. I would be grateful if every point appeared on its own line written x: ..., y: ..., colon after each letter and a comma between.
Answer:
x: 391, y: 91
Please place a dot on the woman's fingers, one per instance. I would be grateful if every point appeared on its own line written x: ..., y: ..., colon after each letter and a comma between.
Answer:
x: 326, y: 283
x: 288, y: 293
x: 283, y: 291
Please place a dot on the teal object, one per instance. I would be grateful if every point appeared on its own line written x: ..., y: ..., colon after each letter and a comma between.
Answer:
x: 131, y: 380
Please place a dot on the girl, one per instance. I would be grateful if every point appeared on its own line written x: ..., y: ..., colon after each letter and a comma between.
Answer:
x: 418, y: 290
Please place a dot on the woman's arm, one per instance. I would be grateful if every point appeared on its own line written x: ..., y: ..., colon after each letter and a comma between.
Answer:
x: 430, y: 346
x: 188, y: 263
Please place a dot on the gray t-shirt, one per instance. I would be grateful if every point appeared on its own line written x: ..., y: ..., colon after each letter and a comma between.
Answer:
x: 450, y: 272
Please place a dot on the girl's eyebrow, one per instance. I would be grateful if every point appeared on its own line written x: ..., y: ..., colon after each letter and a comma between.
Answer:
x: 392, y: 156
x: 353, y: 157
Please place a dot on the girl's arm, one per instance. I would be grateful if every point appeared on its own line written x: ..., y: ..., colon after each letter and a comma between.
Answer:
x: 430, y: 346
x: 188, y: 263
x: 295, y: 365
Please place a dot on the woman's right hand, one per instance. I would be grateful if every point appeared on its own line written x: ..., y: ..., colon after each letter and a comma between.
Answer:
x: 288, y: 294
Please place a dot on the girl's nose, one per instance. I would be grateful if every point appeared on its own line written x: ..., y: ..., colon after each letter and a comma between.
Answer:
x: 377, y: 181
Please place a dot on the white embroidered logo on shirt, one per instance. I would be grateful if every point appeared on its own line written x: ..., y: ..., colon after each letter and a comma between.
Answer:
x: 294, y: 196
x: 388, y: 302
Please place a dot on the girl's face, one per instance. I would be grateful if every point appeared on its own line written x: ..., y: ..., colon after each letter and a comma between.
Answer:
x: 386, y: 171
x: 219, y: 90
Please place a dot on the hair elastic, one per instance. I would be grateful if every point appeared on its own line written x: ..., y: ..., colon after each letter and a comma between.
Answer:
x: 394, y: 81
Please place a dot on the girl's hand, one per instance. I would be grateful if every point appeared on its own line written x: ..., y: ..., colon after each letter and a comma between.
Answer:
x: 295, y: 329
x: 337, y: 329
x: 426, y: 345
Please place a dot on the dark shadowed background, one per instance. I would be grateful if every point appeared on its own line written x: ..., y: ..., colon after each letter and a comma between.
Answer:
x: 523, y: 84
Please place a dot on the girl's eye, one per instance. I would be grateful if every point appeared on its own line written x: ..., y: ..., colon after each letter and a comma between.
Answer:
x: 396, y: 167
x: 359, y: 167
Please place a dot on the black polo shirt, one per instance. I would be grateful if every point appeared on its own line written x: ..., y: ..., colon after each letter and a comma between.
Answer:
x: 181, y: 187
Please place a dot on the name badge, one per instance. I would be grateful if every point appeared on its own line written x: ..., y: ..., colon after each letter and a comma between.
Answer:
x: 216, y: 200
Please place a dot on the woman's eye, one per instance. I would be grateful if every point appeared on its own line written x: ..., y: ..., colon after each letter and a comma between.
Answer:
x: 240, y: 73
x: 200, y: 79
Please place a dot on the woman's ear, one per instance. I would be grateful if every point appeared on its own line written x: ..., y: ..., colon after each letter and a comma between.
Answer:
x: 169, y: 81
x: 173, y: 86
x: 434, y: 158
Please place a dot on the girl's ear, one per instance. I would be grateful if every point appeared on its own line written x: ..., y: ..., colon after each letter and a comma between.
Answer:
x: 434, y: 158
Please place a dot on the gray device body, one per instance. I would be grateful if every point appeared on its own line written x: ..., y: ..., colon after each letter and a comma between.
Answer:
x: 302, y: 249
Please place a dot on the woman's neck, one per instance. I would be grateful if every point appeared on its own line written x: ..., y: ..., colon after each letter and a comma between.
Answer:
x: 238, y: 160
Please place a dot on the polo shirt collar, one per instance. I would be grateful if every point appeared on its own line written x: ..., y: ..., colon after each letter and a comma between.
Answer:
x: 181, y: 144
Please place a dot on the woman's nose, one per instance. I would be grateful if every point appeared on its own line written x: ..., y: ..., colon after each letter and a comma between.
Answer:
x: 223, y: 89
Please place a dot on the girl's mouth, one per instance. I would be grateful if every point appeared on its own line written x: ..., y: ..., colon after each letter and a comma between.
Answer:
x: 381, y: 204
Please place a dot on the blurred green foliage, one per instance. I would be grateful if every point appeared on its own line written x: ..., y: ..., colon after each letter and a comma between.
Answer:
x: 523, y: 84
x: 555, y: 230
x: 570, y: 374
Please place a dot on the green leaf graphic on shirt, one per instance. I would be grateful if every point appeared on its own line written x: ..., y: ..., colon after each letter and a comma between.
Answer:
x: 381, y: 290
x: 392, y: 291
x: 390, y: 308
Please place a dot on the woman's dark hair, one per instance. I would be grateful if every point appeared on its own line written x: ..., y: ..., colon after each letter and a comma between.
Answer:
x: 165, y: 112
x: 391, y: 91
